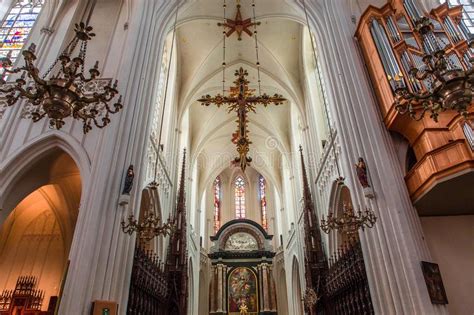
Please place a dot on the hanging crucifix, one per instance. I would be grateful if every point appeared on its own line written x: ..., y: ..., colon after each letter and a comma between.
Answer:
x: 238, y: 25
x: 242, y: 100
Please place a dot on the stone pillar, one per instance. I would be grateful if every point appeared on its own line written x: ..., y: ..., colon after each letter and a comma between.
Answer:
x: 265, y: 287
x: 220, y: 287
x: 272, y: 293
x: 212, y: 290
x: 224, y: 286
x: 260, y: 287
x: 394, y: 248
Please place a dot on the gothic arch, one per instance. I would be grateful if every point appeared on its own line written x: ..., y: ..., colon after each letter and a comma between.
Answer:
x: 340, y: 195
x: 18, y: 164
x: 37, y: 228
x: 150, y: 201
x: 296, y: 288
x: 282, y: 295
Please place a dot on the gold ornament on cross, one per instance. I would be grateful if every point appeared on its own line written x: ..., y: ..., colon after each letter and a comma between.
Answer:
x: 242, y: 100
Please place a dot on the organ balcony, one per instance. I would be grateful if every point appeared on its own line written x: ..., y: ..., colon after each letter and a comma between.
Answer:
x: 440, y: 153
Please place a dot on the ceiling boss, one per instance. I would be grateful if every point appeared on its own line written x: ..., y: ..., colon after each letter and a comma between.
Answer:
x: 241, y: 99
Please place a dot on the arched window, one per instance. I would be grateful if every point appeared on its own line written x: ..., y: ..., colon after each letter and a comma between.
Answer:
x: 467, y: 23
x: 16, y: 27
x: 239, y: 194
x: 217, y: 203
x: 262, y: 185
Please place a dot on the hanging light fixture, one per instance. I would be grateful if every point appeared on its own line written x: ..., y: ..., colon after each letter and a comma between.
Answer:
x: 61, y: 94
x: 151, y: 226
x: 350, y: 222
x: 450, y: 87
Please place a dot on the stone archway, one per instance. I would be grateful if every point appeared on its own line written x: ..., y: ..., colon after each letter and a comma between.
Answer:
x: 296, y: 288
x: 36, y: 235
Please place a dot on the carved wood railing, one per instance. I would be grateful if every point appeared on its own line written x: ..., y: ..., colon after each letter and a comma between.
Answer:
x: 347, y: 288
x: 149, y: 286
x: 25, y: 299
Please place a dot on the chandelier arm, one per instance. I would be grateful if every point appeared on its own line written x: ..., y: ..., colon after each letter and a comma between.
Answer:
x: 25, y: 93
x: 37, y: 116
x: 7, y: 89
x: 105, y: 121
x: 14, y: 70
x: 12, y: 99
x: 33, y: 73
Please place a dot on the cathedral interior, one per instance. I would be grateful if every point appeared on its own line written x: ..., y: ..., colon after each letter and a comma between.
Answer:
x: 240, y: 157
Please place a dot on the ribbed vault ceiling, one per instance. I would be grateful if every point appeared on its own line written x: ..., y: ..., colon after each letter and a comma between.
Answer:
x: 199, y: 46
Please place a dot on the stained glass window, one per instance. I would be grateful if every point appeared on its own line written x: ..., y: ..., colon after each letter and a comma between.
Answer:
x: 468, y: 14
x: 16, y: 27
x: 239, y: 197
x: 262, y: 185
x: 217, y: 204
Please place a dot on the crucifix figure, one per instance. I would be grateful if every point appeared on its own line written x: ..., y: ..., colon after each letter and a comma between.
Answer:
x: 238, y: 25
x: 242, y: 100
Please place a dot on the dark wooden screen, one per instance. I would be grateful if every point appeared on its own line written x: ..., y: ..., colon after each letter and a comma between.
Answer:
x: 347, y: 288
x: 149, y: 286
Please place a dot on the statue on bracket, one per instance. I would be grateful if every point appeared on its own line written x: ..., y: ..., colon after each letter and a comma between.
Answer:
x: 362, y: 174
x: 127, y: 186
x: 361, y: 169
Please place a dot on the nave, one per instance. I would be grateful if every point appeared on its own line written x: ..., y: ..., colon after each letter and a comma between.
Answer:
x: 237, y: 157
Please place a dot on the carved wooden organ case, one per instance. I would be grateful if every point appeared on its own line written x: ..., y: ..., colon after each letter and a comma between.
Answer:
x: 391, y: 46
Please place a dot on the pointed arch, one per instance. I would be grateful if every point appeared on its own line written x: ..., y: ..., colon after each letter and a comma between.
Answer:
x: 15, y: 168
x: 262, y: 198
x: 217, y: 190
x: 296, y: 288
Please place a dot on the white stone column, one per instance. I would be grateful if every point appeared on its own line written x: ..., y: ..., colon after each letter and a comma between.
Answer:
x: 394, y: 248
x: 101, y: 255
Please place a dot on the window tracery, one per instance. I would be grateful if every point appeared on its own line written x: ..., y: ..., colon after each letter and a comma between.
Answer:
x: 262, y: 185
x: 217, y: 203
x: 16, y: 27
x: 239, y: 194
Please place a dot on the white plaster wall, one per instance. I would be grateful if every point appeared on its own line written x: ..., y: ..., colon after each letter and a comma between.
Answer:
x: 451, y: 243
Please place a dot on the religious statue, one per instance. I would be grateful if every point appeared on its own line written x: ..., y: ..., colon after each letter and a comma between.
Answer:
x: 127, y: 186
x: 361, y: 169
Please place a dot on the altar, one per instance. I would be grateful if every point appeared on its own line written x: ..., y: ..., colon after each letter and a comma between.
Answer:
x: 241, y: 274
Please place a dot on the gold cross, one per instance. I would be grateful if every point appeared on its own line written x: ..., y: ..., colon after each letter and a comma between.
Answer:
x: 241, y: 100
x: 238, y: 25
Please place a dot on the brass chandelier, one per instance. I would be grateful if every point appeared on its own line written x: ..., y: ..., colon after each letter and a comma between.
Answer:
x: 61, y: 94
x: 150, y: 226
x: 451, y: 86
x: 350, y: 222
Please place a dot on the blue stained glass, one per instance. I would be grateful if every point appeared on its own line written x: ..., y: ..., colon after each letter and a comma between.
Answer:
x: 24, y: 23
x: 18, y: 24
x: 27, y: 17
x: 8, y: 23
